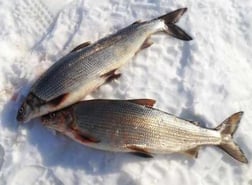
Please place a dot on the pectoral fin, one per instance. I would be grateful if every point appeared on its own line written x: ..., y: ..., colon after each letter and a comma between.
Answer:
x: 83, y: 45
x: 56, y: 101
x: 84, y: 138
x: 139, y: 151
x: 145, y: 102
x: 192, y: 152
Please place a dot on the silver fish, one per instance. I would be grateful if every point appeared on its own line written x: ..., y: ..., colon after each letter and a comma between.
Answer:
x: 90, y: 65
x: 134, y: 126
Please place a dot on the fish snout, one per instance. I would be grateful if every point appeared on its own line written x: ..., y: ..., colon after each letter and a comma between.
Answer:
x: 23, y: 113
x: 20, y: 118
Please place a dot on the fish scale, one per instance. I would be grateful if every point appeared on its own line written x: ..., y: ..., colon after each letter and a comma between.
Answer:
x: 101, y: 120
x: 173, y: 132
x: 48, y: 87
x: 88, y: 66
x: 134, y: 126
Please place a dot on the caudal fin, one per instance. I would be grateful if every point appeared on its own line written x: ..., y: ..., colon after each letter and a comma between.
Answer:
x: 170, y: 19
x: 227, y: 128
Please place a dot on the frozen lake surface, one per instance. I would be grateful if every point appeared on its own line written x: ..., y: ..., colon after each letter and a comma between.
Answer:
x: 205, y: 80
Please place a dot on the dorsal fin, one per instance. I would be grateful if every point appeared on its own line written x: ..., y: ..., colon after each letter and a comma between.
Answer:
x: 194, y: 122
x: 83, y: 45
x: 145, y: 102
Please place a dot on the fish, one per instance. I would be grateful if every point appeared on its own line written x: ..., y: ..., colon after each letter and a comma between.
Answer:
x: 88, y: 66
x: 135, y: 126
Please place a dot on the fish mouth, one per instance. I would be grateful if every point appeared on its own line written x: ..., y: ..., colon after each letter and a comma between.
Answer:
x: 23, y: 117
x: 19, y: 118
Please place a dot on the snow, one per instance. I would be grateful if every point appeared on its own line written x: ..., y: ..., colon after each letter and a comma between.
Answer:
x: 206, y: 80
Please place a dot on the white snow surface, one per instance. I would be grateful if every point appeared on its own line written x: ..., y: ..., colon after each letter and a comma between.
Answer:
x: 205, y: 80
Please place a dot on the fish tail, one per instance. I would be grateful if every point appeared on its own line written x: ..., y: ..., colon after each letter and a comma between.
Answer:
x: 227, y: 128
x: 170, y: 28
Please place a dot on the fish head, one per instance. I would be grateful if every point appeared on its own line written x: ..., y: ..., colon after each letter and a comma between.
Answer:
x: 60, y: 120
x: 30, y: 108
x: 24, y: 112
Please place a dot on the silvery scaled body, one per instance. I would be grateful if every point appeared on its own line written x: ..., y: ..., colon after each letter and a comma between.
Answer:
x: 134, y: 126
x: 90, y: 65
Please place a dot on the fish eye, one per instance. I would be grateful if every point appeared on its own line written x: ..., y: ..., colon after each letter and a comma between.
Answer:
x: 21, y: 110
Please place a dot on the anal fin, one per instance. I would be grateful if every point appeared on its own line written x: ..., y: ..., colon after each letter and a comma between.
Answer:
x: 147, y: 43
x: 192, y: 152
x: 111, y: 75
x: 83, y: 45
x: 139, y: 151
x: 145, y: 102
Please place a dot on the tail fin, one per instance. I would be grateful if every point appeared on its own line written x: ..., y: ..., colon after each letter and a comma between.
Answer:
x: 170, y: 19
x: 227, y: 128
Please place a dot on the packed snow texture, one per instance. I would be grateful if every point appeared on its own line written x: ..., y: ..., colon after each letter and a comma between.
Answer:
x: 205, y: 80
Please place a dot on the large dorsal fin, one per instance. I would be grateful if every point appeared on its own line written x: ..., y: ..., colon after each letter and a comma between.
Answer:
x: 145, y: 102
x: 83, y: 45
